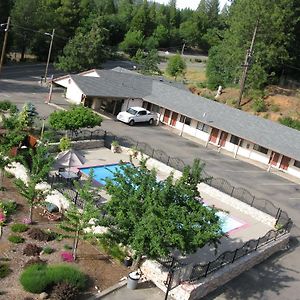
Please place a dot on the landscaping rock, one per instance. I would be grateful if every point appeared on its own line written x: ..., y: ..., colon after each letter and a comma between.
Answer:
x: 43, y: 296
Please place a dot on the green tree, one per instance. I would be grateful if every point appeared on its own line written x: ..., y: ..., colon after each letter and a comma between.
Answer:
x: 132, y: 42
x: 153, y: 218
x: 38, y: 163
x: 27, y: 115
x: 176, y: 66
x: 271, y: 46
x: 148, y: 62
x: 86, y: 50
x: 75, y: 219
x: 76, y: 118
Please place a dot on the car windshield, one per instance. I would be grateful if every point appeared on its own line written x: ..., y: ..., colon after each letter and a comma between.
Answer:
x: 131, y: 111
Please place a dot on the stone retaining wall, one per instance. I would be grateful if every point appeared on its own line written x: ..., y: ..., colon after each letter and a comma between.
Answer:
x: 192, y: 291
x: 79, y: 145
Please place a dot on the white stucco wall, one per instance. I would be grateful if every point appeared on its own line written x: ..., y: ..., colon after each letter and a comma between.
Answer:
x: 63, y: 82
x: 293, y: 170
x: 131, y: 102
x: 73, y: 94
x: 261, y: 157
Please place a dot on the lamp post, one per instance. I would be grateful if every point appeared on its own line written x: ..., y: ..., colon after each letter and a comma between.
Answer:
x: 49, y: 53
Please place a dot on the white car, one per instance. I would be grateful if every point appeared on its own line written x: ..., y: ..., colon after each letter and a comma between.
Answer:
x: 135, y: 115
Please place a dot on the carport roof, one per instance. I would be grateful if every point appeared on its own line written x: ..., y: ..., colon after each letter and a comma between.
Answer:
x: 266, y: 133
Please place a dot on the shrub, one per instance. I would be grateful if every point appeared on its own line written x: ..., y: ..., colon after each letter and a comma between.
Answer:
x: 64, y: 143
x: 67, y: 256
x: 275, y: 108
x: 32, y: 250
x: 64, y: 291
x: 4, y: 270
x: 9, y: 207
x: 7, y: 105
x: 19, y: 227
x: 16, y: 239
x: 48, y: 250
x: 38, y: 278
x: 34, y: 278
x: 38, y: 234
x: 66, y: 273
x: 259, y: 105
x: 34, y: 261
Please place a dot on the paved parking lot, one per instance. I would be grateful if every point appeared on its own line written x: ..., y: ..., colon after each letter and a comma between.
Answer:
x: 276, y: 278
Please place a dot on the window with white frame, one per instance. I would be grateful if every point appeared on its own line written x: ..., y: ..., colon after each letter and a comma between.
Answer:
x: 260, y: 149
x: 297, y: 164
x: 203, y: 127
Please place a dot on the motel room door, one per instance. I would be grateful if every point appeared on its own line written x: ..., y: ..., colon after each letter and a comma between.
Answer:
x: 223, y: 138
x: 166, y: 116
x: 174, y: 118
x: 274, y: 158
x: 284, y: 164
x: 214, y: 135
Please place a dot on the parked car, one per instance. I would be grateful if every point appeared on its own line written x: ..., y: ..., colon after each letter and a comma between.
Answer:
x: 135, y: 115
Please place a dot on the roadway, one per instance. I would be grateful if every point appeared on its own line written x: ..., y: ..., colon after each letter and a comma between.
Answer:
x: 277, y: 277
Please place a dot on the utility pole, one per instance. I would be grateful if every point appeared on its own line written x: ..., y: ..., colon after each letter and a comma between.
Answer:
x: 49, y: 53
x: 247, y: 64
x: 4, y: 43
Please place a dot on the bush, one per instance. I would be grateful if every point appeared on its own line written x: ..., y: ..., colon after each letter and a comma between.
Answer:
x: 7, y: 105
x: 16, y: 239
x: 9, y: 207
x: 32, y: 250
x: 38, y: 278
x: 34, y: 278
x: 38, y: 234
x: 19, y: 227
x: 259, y: 105
x: 48, y: 250
x: 67, y: 256
x: 64, y: 144
x: 4, y: 270
x: 275, y: 108
x: 64, y: 291
x: 67, y: 247
x: 34, y: 261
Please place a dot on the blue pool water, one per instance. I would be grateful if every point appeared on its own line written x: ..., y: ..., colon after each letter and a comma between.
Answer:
x: 228, y: 223
x: 102, y: 172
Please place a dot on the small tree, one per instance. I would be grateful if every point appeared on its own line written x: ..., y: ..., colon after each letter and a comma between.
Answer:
x: 27, y: 115
x: 76, y: 219
x: 154, y: 218
x: 148, y: 62
x: 38, y: 163
x: 132, y: 42
x: 75, y: 118
x: 176, y: 66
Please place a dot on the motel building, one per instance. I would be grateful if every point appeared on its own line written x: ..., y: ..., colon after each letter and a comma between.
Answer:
x: 241, y: 133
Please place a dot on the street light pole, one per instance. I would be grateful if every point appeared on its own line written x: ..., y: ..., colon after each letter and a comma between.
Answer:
x: 4, y: 43
x: 49, y: 53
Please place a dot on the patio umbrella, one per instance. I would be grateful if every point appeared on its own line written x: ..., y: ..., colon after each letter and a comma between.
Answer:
x: 69, y: 158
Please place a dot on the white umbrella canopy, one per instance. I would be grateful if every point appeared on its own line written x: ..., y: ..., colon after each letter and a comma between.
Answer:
x: 69, y: 158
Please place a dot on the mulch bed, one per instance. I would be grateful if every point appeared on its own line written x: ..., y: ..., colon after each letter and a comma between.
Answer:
x: 101, y: 269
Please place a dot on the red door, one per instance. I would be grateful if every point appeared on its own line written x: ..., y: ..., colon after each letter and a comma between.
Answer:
x: 166, y: 116
x: 284, y: 164
x: 174, y: 118
x: 223, y: 138
x: 214, y: 135
x: 274, y: 158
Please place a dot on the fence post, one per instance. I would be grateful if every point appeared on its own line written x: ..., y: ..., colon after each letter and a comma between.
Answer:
x: 252, y: 201
x: 168, y: 160
x: 207, y: 268
x: 152, y: 153
x: 235, y: 252
x: 257, y: 244
x: 232, y: 191
x: 91, y: 135
x: 105, y: 134
x: 278, y: 214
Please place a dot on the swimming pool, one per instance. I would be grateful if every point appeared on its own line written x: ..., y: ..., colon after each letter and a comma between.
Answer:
x: 102, y: 172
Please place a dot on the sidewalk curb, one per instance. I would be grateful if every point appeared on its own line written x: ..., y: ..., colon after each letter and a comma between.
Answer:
x: 55, y: 105
x: 109, y: 290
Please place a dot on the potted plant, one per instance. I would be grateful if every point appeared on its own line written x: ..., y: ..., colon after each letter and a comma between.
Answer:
x: 133, y: 151
x: 115, y: 146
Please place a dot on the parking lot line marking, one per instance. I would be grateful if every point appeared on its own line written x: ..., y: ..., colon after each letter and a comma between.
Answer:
x: 278, y: 184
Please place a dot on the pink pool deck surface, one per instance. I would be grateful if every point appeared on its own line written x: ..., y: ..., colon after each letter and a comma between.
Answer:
x: 244, y: 226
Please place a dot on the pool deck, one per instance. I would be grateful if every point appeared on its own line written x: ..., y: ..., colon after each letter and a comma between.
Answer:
x: 252, y: 229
